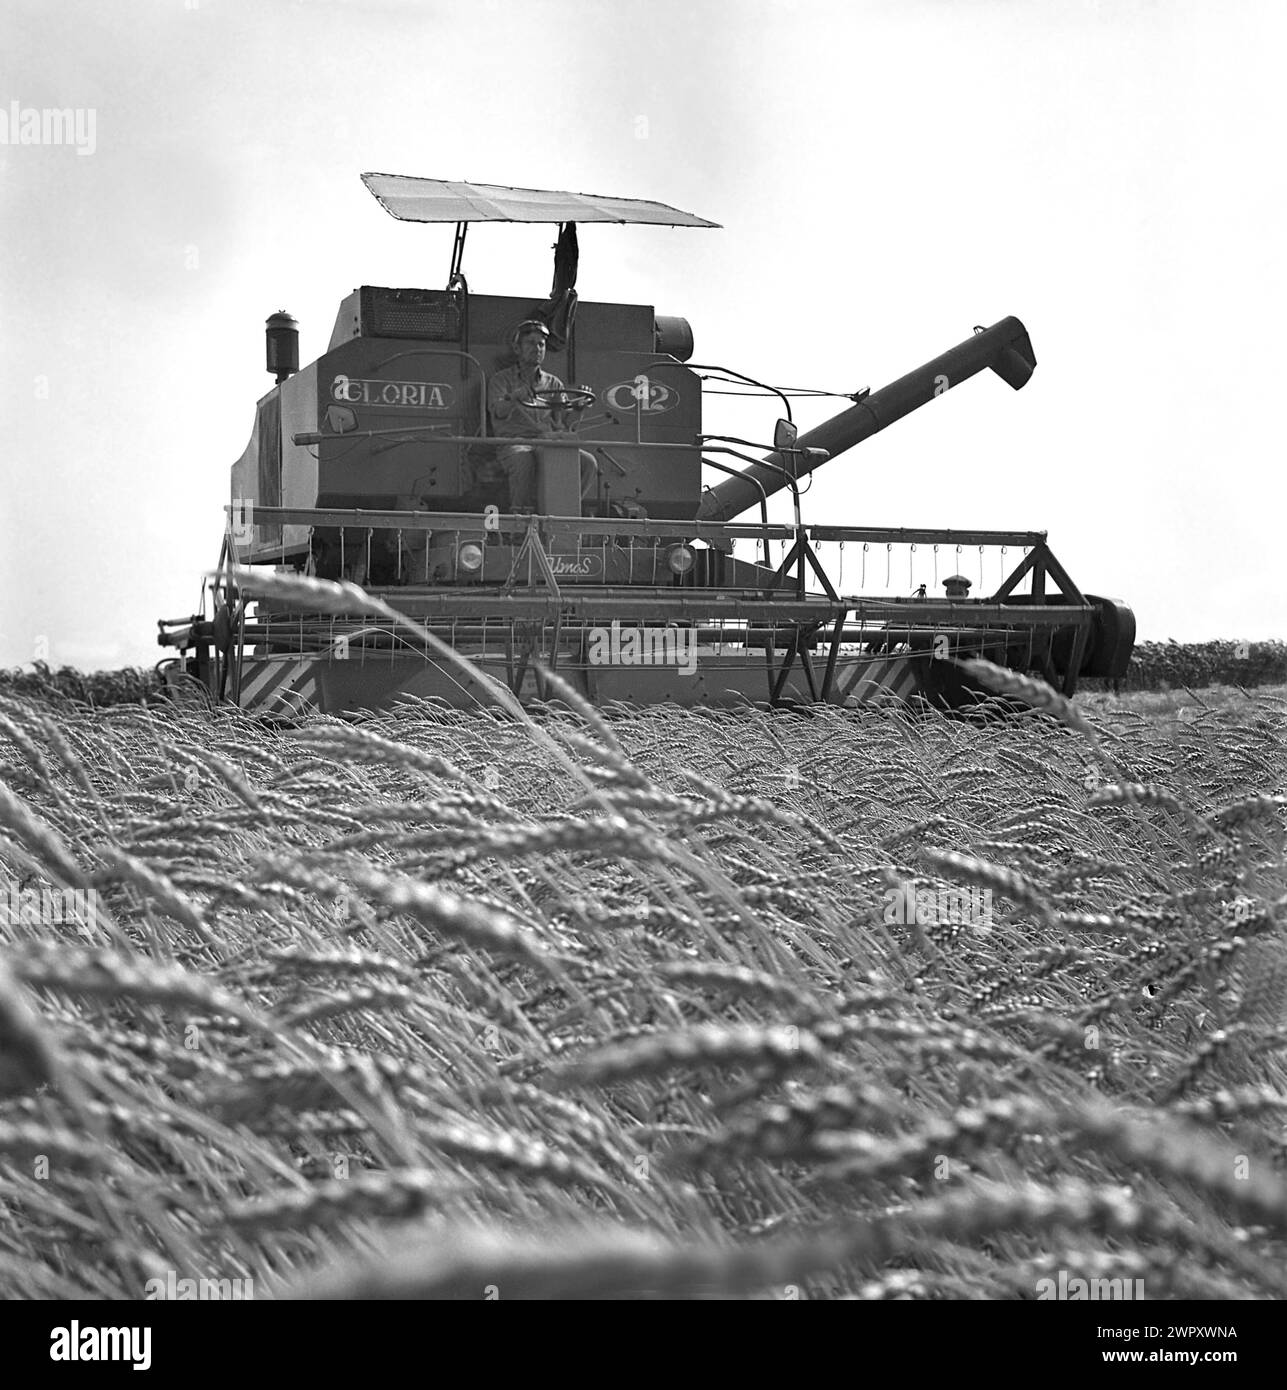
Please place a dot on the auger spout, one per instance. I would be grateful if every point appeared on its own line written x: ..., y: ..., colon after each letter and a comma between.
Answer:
x: 1005, y: 347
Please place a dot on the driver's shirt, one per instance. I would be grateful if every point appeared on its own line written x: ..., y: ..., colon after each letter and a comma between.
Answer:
x: 520, y: 422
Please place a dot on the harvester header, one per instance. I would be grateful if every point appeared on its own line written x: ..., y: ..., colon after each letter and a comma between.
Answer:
x: 523, y: 476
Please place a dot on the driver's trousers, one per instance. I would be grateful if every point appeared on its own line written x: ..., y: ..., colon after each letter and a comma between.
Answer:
x: 518, y: 463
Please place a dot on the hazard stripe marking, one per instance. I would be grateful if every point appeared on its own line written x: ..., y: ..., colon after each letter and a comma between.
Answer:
x: 273, y: 683
x: 880, y: 678
x: 302, y: 699
x: 260, y: 676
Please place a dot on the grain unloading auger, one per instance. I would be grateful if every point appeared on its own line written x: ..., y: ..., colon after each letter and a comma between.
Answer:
x: 390, y: 461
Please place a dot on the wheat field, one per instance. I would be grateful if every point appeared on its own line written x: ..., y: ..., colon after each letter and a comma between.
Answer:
x: 623, y: 1003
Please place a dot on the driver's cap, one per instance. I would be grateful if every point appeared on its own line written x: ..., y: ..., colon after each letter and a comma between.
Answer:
x: 528, y: 325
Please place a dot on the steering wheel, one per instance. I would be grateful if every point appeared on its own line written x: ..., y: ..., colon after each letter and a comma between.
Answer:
x: 562, y: 398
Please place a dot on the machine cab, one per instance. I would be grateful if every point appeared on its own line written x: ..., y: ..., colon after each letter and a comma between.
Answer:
x: 394, y: 417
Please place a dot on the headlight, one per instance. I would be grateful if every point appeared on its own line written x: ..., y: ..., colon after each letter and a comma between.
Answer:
x: 470, y: 557
x: 680, y: 559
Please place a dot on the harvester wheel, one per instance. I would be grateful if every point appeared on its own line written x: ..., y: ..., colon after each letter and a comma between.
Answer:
x: 947, y: 687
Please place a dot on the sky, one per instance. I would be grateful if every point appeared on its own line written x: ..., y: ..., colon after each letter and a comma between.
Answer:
x: 887, y: 175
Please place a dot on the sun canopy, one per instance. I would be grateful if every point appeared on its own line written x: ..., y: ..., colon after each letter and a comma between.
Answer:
x: 438, y: 200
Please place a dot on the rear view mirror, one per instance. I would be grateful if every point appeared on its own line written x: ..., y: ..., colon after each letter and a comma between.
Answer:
x: 785, y: 434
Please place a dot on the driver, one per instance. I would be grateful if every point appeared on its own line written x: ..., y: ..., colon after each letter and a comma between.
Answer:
x: 515, y: 412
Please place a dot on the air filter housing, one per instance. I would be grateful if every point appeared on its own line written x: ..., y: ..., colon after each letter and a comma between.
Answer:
x: 372, y: 311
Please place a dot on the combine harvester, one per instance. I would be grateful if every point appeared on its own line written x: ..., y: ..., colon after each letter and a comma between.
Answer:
x: 387, y: 462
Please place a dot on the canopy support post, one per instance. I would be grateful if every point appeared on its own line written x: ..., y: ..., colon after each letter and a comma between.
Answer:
x: 457, y: 256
